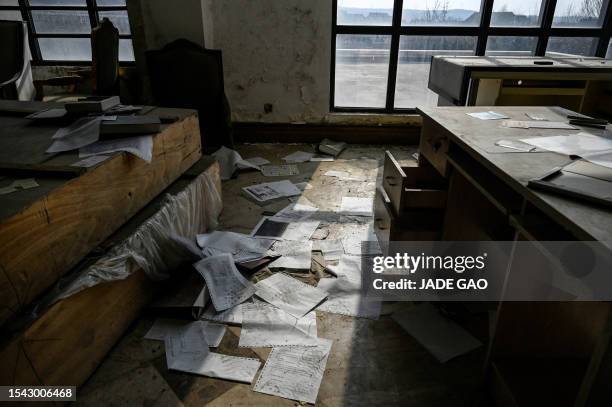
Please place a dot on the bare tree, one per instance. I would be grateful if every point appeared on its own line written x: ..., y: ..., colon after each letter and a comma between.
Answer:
x: 591, y: 8
x: 438, y: 11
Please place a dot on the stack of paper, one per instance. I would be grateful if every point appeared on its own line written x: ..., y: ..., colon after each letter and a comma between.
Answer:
x: 242, y: 247
x: 294, y: 255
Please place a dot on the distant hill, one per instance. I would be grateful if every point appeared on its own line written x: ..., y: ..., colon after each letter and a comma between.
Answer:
x: 453, y: 14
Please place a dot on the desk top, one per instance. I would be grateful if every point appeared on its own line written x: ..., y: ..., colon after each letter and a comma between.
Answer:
x: 477, y: 138
x: 449, y: 75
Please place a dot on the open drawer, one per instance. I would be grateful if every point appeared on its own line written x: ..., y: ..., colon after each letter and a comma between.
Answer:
x: 416, y: 225
x: 412, y: 187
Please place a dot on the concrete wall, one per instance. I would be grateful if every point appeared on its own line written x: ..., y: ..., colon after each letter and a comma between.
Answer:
x: 276, y: 56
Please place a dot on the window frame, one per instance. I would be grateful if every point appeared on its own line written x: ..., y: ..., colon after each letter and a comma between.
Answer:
x: 482, y: 32
x: 91, y: 7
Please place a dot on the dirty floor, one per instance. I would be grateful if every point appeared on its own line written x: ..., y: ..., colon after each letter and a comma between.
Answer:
x: 372, y: 363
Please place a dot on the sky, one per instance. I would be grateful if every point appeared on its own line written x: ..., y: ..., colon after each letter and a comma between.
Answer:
x: 518, y: 6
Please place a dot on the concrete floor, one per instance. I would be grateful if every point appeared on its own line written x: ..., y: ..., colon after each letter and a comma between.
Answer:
x: 372, y: 363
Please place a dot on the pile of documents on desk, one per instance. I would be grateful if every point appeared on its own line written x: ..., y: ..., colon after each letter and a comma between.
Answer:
x: 100, y: 128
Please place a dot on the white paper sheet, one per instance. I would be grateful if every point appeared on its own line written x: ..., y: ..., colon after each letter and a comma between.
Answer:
x: 279, y: 170
x: 289, y: 294
x: 81, y: 133
x: 516, y: 145
x: 295, y: 212
x: 537, y: 124
x: 490, y: 115
x: 241, y: 246
x: 295, y: 372
x: 298, y: 157
x: 332, y: 250
x: 140, y: 146
x: 185, y: 354
x: 258, y: 161
x: 265, y: 326
x: 232, y: 316
x: 294, y: 255
x: 303, y: 186
x: 574, y: 144
x: 345, y: 298
x: 355, y: 236
x: 90, y: 161
x: 348, y: 268
x: 226, y: 285
x: 229, y: 160
x: 439, y: 335
x: 280, y: 229
x: 603, y: 159
x: 320, y: 158
x: 272, y: 190
x: 213, y: 333
x: 357, y: 206
x: 535, y: 117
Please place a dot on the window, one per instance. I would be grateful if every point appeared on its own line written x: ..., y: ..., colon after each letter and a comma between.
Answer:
x: 60, y: 30
x: 382, y: 49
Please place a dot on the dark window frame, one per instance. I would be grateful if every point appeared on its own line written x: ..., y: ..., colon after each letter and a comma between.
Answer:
x: 482, y: 32
x: 91, y: 7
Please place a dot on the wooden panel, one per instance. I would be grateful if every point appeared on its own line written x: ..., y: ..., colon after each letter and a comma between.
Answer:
x: 66, y: 343
x: 44, y: 240
x: 434, y: 145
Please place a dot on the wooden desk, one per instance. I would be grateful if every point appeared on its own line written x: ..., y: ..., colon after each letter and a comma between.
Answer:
x: 579, y: 83
x: 46, y: 230
x: 540, y: 353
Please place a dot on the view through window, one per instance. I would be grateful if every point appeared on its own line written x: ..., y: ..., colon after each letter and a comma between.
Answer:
x: 60, y: 29
x: 383, y: 48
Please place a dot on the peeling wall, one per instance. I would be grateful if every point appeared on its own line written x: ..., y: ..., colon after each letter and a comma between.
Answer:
x: 275, y: 55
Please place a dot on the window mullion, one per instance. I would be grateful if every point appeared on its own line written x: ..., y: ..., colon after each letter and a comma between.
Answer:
x: 547, y: 19
x: 394, y: 54
x: 485, y: 22
x: 93, y: 13
x: 26, y: 15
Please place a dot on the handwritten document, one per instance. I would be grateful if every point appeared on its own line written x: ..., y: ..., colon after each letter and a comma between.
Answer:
x: 295, y: 372
x: 294, y: 255
x: 345, y: 298
x: 279, y: 170
x: 187, y: 351
x: 226, y: 285
x: 213, y: 333
x: 241, y: 246
x: 231, y: 316
x: 289, y: 294
x: 265, y: 326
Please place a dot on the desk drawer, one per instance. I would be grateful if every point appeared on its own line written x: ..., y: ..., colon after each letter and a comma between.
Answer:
x: 412, y: 187
x: 422, y: 224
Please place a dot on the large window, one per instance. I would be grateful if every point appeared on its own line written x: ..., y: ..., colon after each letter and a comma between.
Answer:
x: 60, y: 30
x: 383, y: 48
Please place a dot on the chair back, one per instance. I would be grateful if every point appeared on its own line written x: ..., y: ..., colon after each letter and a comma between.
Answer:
x: 105, y: 58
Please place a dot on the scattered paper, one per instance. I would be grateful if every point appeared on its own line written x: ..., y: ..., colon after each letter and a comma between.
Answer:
x: 232, y: 316
x: 537, y: 124
x: 226, y: 285
x: 213, y: 333
x: 19, y: 184
x: 279, y: 229
x: 258, y: 161
x: 490, y: 115
x: 48, y: 114
x: 349, y: 268
x: 295, y: 212
x: 242, y: 247
x: 332, y: 250
x: 272, y: 190
x: 81, y: 133
x: 289, y: 294
x: 345, y: 298
x: 515, y: 145
x: 575, y: 144
x: 441, y: 336
x: 140, y: 146
x: 90, y: 161
x: 603, y: 159
x: 319, y: 158
x: 294, y: 372
x: 535, y: 117
x: 279, y: 170
x: 265, y: 326
x: 229, y: 160
x: 294, y: 255
x: 357, y: 206
x: 302, y: 186
x: 298, y: 157
x: 354, y: 238
x: 188, y: 352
